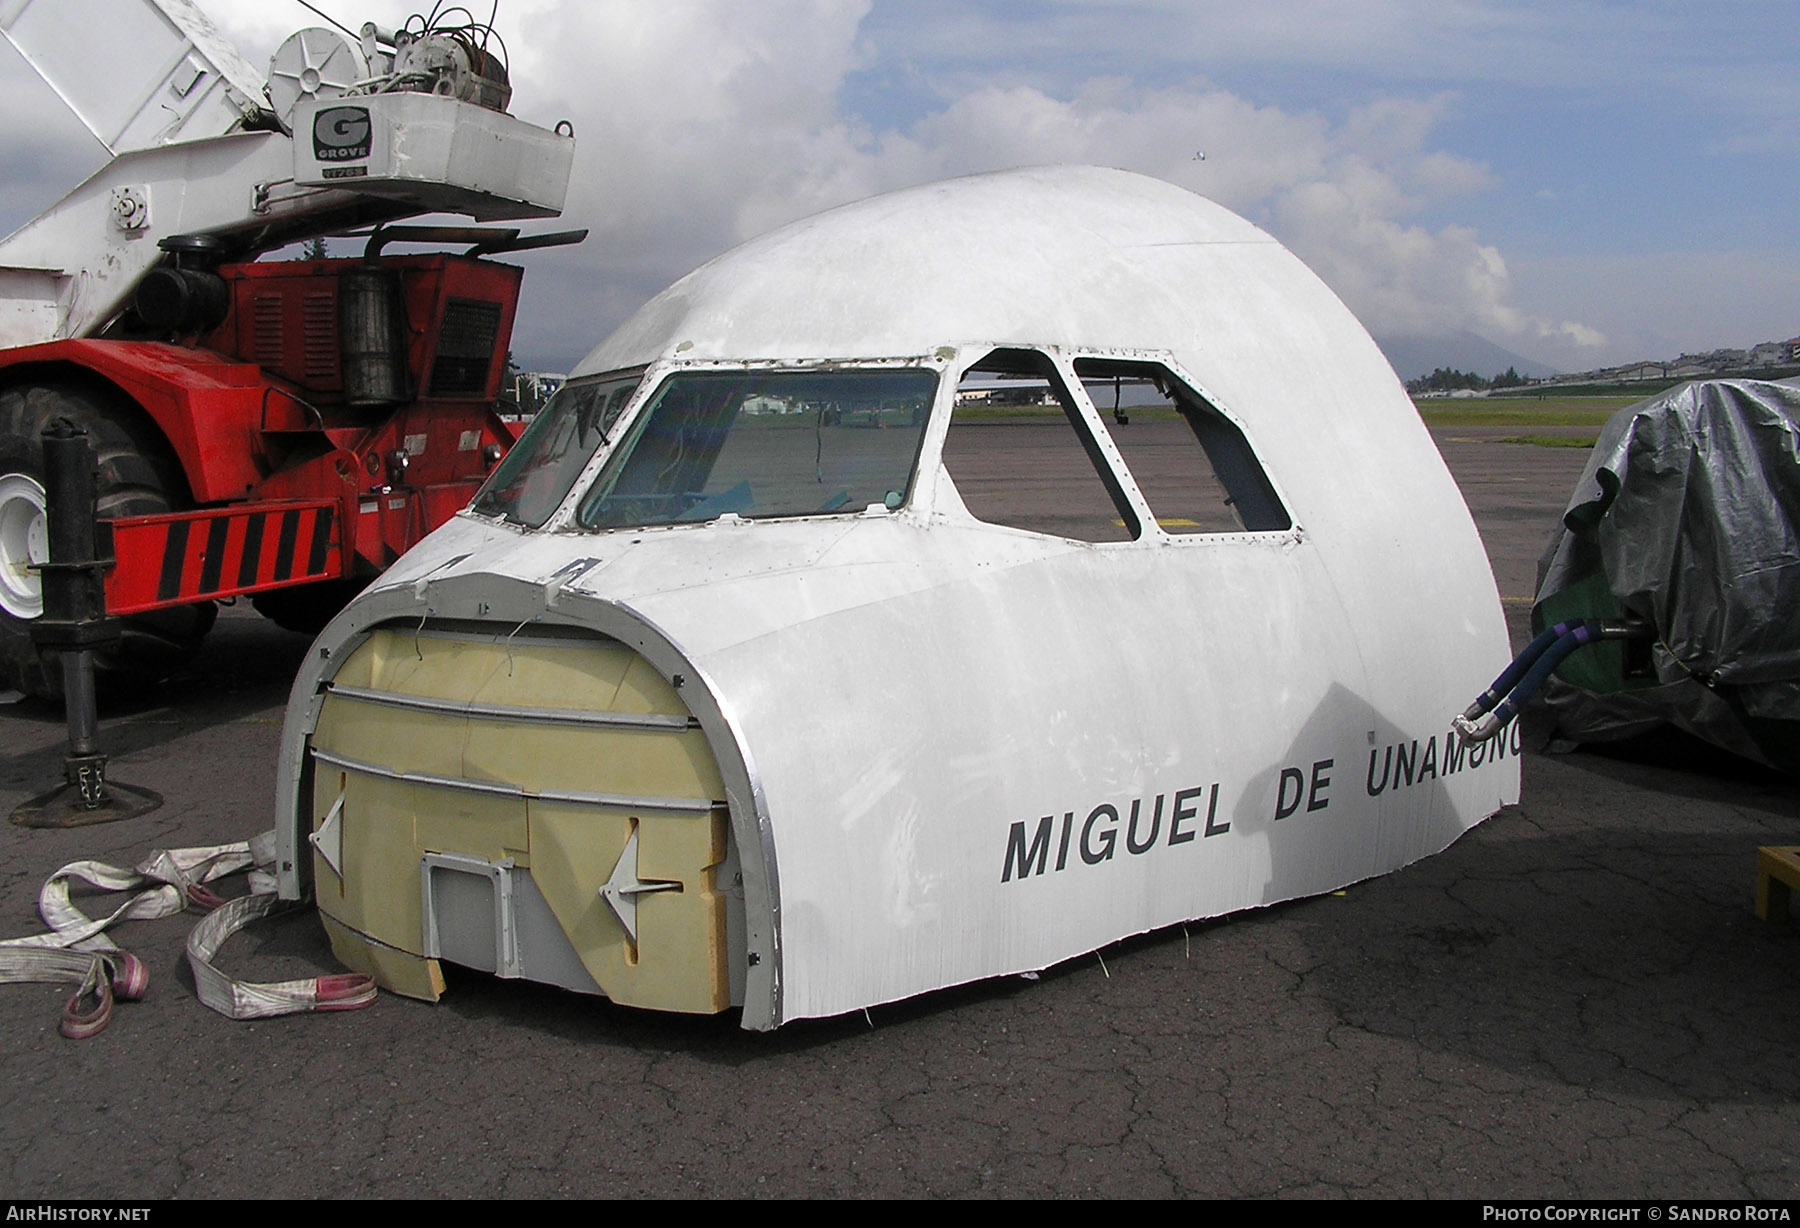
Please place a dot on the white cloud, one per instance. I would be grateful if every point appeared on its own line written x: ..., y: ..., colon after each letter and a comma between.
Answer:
x: 704, y: 125
x: 704, y: 122
x: 1657, y: 304
x: 1337, y: 194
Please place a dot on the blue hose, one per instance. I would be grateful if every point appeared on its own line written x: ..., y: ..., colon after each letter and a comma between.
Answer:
x: 1518, y: 682
x: 1509, y: 677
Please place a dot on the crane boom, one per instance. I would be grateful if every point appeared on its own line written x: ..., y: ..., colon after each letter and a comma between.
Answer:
x: 198, y: 148
x: 138, y: 74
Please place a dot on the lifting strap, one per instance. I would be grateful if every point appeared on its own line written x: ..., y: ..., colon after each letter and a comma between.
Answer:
x: 78, y: 950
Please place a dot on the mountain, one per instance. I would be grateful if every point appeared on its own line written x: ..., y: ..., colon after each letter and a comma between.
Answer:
x: 1414, y: 357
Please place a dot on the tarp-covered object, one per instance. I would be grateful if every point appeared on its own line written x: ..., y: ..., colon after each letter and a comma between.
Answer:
x: 1686, y: 518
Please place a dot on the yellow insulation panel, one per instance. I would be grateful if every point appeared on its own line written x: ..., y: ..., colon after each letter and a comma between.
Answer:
x: 378, y: 893
x: 401, y: 972
x: 643, y: 690
x: 681, y: 934
x: 591, y: 676
x: 577, y: 847
x: 570, y: 848
x: 473, y: 824
x: 395, y: 738
x: 678, y: 961
x: 574, y: 758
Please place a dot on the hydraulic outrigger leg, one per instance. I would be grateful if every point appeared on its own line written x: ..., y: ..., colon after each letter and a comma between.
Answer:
x: 75, y: 624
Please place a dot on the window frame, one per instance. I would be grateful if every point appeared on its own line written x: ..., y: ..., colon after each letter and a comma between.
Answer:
x: 603, y: 488
x: 1112, y: 476
x: 650, y: 383
x: 609, y: 436
x: 925, y: 499
x: 1102, y: 450
x: 1207, y: 403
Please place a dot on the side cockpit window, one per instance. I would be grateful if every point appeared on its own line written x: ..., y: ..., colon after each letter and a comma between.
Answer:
x: 1021, y: 456
x: 1191, y: 463
x: 533, y: 479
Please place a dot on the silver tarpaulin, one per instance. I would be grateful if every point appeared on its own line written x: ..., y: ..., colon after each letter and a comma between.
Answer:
x: 1687, y: 517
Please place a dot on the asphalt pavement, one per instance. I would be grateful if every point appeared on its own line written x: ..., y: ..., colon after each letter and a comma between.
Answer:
x: 1575, y: 1000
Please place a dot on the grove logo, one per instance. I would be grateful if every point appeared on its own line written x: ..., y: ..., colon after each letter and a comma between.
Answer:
x: 341, y: 134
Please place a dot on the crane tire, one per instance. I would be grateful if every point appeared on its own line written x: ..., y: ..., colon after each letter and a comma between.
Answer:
x: 137, y: 475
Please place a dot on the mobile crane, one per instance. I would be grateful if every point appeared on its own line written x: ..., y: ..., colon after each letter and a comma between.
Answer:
x: 280, y: 430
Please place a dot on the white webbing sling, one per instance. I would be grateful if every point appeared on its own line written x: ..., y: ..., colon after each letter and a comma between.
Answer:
x: 78, y: 950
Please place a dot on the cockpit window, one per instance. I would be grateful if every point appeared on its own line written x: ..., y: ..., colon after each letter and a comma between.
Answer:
x: 537, y: 475
x: 1021, y: 456
x: 761, y: 444
x: 1219, y: 488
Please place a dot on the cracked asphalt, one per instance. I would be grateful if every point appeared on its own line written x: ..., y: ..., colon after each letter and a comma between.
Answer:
x: 1574, y: 1001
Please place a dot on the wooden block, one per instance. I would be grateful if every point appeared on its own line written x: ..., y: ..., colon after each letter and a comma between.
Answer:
x: 1777, y: 874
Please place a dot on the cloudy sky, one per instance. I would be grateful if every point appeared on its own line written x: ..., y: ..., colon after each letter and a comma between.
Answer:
x: 1581, y: 181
